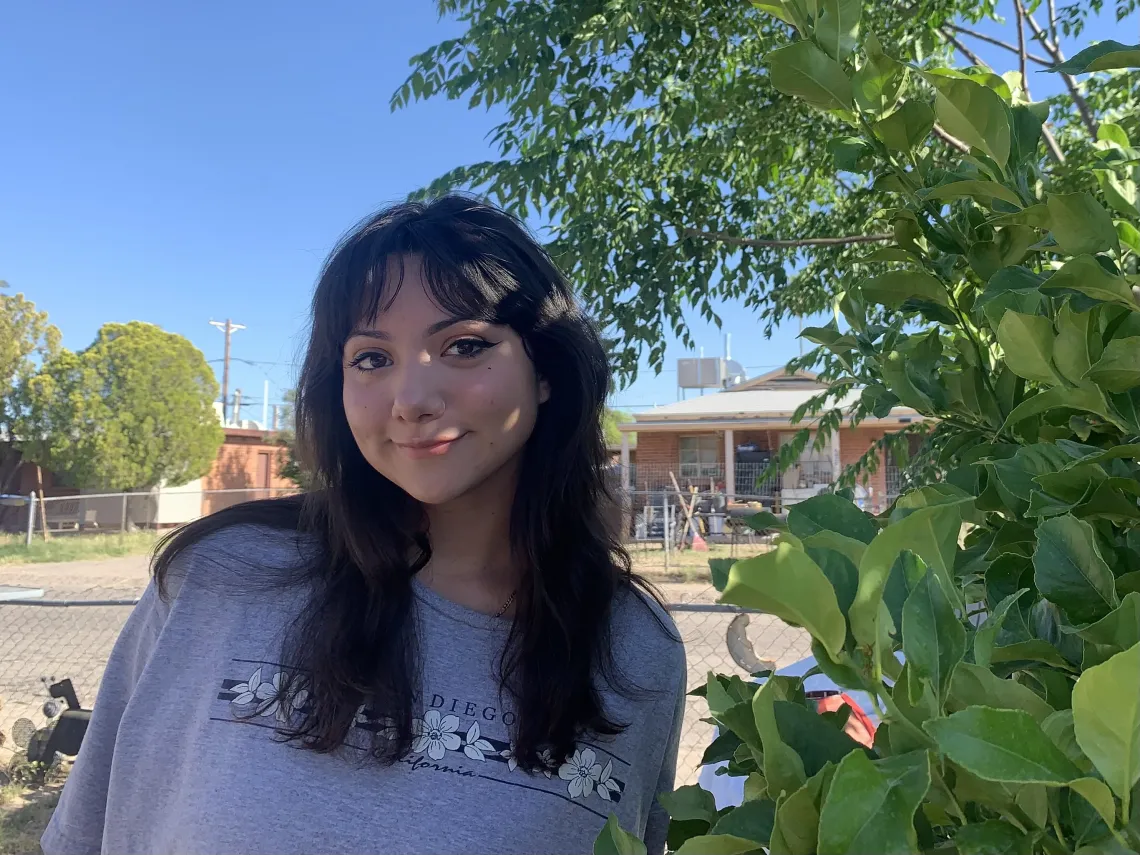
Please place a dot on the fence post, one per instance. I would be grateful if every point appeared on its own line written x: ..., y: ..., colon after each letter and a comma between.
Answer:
x: 31, y: 519
x: 665, y: 528
x: 123, y: 518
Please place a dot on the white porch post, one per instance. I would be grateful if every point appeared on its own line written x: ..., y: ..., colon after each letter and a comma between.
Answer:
x: 835, y: 455
x: 729, y: 465
x: 626, y: 475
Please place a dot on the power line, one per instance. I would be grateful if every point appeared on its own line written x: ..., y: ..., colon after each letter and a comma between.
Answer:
x: 229, y: 328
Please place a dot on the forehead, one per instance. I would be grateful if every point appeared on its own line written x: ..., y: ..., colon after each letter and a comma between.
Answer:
x: 406, y: 286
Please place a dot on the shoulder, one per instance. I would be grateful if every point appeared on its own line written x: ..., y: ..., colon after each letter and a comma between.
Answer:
x: 235, y: 558
x: 646, y: 642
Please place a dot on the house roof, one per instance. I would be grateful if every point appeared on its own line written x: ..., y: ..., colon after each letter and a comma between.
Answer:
x: 770, y: 400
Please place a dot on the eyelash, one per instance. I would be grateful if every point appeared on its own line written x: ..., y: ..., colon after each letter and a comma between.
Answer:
x: 481, y: 346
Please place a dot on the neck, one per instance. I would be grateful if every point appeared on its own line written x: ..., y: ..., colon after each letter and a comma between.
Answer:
x: 471, y: 561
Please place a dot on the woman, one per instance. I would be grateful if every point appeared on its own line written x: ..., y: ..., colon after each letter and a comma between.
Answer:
x: 441, y: 647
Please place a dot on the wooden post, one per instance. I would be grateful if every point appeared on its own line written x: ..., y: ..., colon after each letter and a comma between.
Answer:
x: 43, y: 516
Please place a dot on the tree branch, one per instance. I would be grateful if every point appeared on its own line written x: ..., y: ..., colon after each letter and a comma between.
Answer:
x: 760, y: 243
x: 1017, y: 7
x: 961, y: 48
x: 1050, y: 140
x: 1054, y: 50
x: 1040, y: 60
x: 951, y: 141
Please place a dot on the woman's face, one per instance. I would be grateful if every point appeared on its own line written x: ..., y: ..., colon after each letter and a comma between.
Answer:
x: 437, y: 404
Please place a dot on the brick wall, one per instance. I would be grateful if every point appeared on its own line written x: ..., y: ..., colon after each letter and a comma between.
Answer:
x: 658, y: 452
x: 247, y: 461
x: 853, y: 444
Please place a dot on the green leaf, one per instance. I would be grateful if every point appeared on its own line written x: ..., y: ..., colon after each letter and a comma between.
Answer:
x: 1086, y: 398
x: 804, y: 71
x: 1002, y: 745
x: 1120, y: 628
x: 1102, y: 56
x: 1075, y: 347
x: 837, y: 27
x: 1112, y: 132
x: 974, y: 114
x: 718, y: 571
x: 1128, y: 235
x: 811, y: 737
x: 689, y: 802
x: 1097, y: 794
x: 896, y: 287
x: 992, y: 837
x: 1106, y: 718
x: 987, y: 190
x: 930, y: 533
x: 718, y: 844
x: 1118, y: 370
x: 879, y: 79
x: 829, y: 512
x: 1033, y: 650
x: 934, y: 640
x: 1027, y: 341
x: 870, y: 807
x: 1068, y: 569
x: 614, y: 841
x: 792, y: 12
x: 797, y: 816
x: 850, y: 153
x: 1085, y: 275
x: 975, y: 685
x: 753, y: 820
x: 783, y: 768
x: 765, y: 521
x: 907, y: 127
x: 1080, y: 223
x: 1059, y: 728
x: 1128, y: 583
x: 1119, y: 193
x: 785, y: 582
x: 984, y: 637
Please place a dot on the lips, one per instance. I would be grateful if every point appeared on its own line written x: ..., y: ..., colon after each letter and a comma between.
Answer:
x: 423, y: 449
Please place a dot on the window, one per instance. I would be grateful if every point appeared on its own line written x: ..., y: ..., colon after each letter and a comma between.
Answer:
x: 700, y: 456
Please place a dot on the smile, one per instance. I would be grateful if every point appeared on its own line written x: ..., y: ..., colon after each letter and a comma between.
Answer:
x: 422, y: 450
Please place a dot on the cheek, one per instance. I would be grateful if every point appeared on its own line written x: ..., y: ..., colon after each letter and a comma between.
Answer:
x: 503, y: 400
x: 361, y: 407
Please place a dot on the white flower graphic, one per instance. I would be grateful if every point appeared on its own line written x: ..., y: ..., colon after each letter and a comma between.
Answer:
x: 607, y: 786
x: 508, y: 754
x: 254, y: 689
x: 582, y: 773
x: 435, y: 736
x: 476, y: 747
x: 268, y: 695
x: 361, y: 716
x: 547, y: 761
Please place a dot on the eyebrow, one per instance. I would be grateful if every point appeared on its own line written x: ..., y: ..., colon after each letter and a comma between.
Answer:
x: 380, y: 335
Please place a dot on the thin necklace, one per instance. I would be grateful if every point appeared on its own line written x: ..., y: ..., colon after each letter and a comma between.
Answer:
x: 506, y: 605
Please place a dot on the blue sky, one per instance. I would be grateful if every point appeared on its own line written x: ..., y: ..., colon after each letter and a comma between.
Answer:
x: 177, y: 163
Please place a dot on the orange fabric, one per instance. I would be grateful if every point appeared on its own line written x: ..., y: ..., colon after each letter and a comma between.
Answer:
x: 859, y: 727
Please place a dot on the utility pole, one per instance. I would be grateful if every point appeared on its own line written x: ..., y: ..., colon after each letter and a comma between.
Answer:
x: 265, y: 408
x: 237, y: 407
x: 229, y: 328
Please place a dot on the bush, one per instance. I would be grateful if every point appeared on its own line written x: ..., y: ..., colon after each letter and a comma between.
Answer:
x: 993, y: 615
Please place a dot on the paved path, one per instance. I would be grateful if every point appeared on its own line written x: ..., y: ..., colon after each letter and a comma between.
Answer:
x: 39, y: 642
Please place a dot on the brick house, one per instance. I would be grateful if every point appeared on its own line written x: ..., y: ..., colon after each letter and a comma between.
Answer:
x: 722, y: 442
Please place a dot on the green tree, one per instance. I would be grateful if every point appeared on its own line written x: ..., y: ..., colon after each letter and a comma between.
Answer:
x: 25, y: 338
x: 672, y: 170
x: 992, y: 616
x: 133, y: 410
x: 610, y: 423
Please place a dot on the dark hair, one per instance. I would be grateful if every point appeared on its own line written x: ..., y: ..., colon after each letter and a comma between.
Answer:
x: 356, y: 640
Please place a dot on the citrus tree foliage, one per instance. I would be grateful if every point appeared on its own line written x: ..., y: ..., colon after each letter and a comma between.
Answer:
x: 673, y: 171
x: 25, y: 336
x: 993, y: 616
x: 133, y: 410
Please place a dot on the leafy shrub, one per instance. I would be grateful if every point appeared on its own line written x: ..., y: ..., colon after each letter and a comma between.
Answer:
x: 993, y: 615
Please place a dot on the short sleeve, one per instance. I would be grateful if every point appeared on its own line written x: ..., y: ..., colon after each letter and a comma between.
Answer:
x: 76, y: 828
x: 657, y: 826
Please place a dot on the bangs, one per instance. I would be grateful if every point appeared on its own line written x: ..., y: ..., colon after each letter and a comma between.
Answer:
x: 464, y: 279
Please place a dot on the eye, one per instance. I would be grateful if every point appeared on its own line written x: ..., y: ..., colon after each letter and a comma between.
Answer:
x: 369, y: 361
x: 469, y: 348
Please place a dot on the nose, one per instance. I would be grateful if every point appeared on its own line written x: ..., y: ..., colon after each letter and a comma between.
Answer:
x: 418, y: 397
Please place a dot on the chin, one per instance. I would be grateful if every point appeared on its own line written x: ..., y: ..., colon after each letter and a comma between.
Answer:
x: 437, y: 493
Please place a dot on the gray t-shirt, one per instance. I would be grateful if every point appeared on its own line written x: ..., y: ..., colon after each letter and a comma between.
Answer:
x: 172, y: 762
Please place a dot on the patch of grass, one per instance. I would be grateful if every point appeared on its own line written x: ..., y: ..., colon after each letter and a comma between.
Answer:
x: 74, y: 547
x: 24, y: 818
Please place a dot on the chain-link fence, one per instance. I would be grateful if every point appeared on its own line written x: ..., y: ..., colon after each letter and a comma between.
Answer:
x: 42, y: 641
